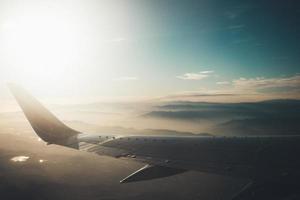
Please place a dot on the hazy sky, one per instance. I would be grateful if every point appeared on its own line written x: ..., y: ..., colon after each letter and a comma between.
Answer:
x: 137, y: 48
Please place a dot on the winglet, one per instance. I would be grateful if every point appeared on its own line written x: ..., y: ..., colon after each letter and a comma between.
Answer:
x: 44, y: 123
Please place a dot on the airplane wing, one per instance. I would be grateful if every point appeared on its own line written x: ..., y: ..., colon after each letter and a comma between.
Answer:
x: 264, y: 161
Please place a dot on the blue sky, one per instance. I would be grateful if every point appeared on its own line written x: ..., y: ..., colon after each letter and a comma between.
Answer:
x: 139, y: 48
x: 235, y: 38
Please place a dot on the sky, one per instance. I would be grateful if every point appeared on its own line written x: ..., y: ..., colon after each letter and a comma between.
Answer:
x: 92, y: 50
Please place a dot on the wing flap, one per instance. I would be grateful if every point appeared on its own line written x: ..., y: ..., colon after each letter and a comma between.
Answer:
x: 151, y: 172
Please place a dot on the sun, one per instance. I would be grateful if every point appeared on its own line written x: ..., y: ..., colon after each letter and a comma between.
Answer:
x: 41, y: 48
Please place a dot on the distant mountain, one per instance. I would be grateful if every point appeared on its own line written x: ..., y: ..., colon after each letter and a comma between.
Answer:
x: 259, y: 126
x: 129, y: 131
x: 227, y: 111
x: 273, y: 117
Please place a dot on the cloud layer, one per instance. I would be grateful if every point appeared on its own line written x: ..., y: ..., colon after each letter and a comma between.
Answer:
x: 256, y: 84
x: 241, y: 89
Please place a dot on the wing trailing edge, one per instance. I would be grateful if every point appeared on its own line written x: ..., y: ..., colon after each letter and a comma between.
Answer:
x: 151, y: 172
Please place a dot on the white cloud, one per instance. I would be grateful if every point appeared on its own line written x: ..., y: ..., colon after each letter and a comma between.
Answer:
x: 245, y: 89
x: 254, y: 84
x: 126, y: 78
x: 207, y: 72
x: 195, y: 76
x: 192, y: 76
x: 223, y: 83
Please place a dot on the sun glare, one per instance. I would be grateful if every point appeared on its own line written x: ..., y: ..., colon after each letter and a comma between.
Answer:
x: 40, y: 49
x: 51, y: 45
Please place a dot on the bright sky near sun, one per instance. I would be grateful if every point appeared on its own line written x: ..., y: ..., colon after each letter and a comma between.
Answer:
x: 136, y: 48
